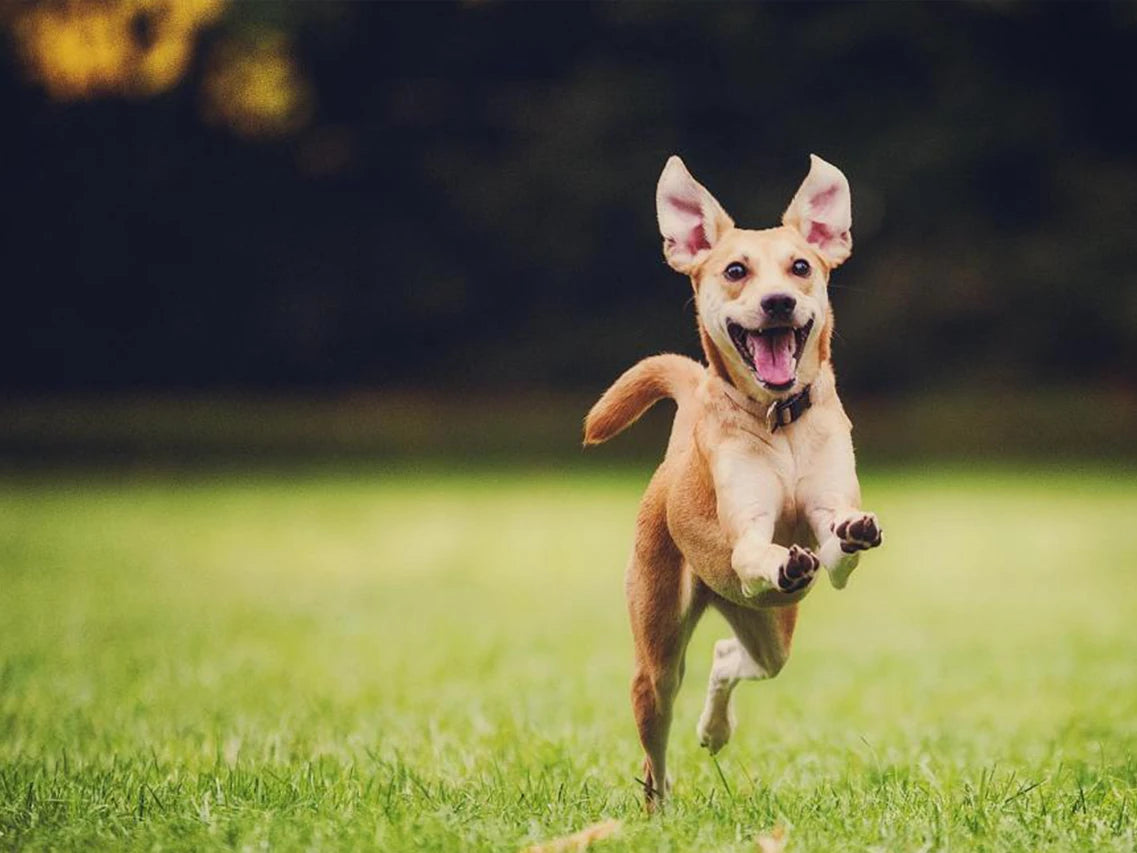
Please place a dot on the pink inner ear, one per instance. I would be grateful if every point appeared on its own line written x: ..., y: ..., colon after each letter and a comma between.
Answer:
x: 694, y: 236
x: 823, y: 199
x: 819, y: 233
x: 820, y: 204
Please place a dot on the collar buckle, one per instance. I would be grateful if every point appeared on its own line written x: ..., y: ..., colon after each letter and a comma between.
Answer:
x: 772, y: 421
x: 782, y: 413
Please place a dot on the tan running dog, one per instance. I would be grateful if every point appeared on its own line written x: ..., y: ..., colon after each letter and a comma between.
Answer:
x: 758, y: 488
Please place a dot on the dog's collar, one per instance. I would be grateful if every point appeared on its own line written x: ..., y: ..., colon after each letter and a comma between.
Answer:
x: 782, y: 413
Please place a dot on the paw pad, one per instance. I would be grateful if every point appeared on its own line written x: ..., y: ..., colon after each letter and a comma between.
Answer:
x: 859, y: 534
x: 798, y: 570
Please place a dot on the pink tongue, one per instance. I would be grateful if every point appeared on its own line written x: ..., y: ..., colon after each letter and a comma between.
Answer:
x: 773, y: 355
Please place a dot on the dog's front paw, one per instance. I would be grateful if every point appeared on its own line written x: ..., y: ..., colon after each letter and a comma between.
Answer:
x: 852, y: 534
x: 858, y: 533
x: 798, y: 570
x: 774, y: 569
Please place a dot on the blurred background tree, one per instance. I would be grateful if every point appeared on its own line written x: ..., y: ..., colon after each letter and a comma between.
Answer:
x: 343, y: 195
x: 86, y: 49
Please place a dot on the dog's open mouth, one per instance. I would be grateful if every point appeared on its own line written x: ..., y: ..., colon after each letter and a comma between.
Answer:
x: 772, y: 352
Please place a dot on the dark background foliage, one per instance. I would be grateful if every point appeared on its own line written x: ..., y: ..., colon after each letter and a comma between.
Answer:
x: 472, y: 203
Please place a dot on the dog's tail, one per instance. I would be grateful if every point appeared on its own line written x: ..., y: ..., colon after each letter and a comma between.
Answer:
x: 674, y: 376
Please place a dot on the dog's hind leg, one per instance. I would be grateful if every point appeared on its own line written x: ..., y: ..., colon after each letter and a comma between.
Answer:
x: 665, y: 601
x: 758, y: 650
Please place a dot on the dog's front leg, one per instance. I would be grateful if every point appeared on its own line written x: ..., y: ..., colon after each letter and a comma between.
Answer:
x: 832, y: 499
x: 750, y: 496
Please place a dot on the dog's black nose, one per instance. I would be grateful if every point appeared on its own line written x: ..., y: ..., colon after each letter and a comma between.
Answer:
x: 778, y: 304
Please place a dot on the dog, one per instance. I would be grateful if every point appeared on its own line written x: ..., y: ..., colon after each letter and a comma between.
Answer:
x: 758, y: 487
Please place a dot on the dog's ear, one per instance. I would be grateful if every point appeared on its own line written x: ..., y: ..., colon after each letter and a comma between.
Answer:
x: 690, y: 219
x: 822, y: 211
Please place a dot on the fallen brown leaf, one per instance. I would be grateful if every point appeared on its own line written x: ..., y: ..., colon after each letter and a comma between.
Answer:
x: 775, y: 842
x: 578, y: 840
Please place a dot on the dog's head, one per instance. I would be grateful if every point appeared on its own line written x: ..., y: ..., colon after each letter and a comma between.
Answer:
x: 761, y: 296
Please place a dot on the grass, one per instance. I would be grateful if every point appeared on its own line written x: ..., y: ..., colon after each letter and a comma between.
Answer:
x: 440, y: 661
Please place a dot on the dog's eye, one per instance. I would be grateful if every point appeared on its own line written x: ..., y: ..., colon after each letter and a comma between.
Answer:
x: 734, y: 271
x: 800, y: 268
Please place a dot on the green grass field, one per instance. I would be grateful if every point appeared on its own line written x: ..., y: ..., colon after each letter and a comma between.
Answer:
x: 441, y: 661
